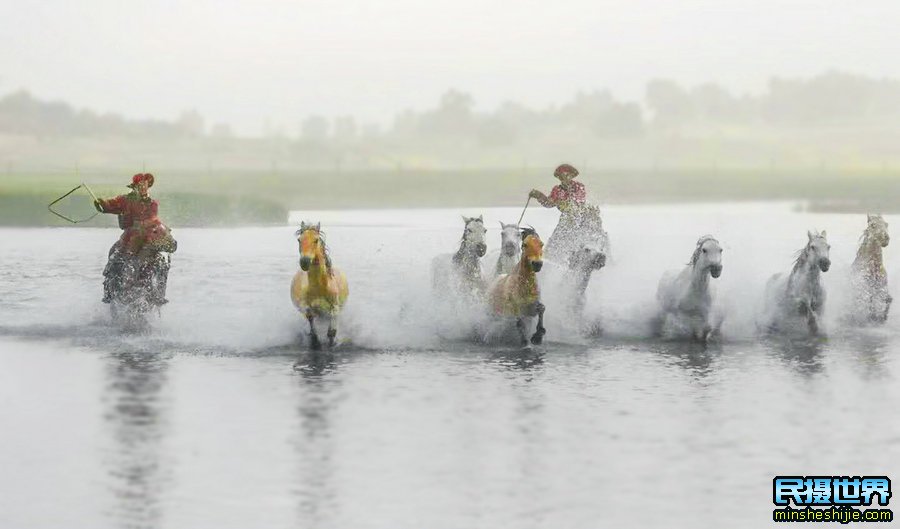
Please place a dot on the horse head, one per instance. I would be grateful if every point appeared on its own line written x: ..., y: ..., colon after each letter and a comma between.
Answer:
x: 587, y: 258
x: 817, y: 250
x: 877, y: 230
x: 474, y: 235
x: 312, y: 245
x: 157, y: 236
x: 532, y: 249
x: 509, y: 239
x: 708, y: 255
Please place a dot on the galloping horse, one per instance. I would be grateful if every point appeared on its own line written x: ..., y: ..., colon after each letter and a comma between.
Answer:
x: 582, y: 264
x: 509, y: 253
x: 684, y: 297
x: 800, y: 294
x: 517, y: 294
x: 318, y: 289
x: 871, y: 300
x: 143, y: 273
x: 461, y: 271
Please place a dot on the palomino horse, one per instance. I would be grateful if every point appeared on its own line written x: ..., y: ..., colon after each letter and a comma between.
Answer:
x: 508, y: 256
x: 461, y: 272
x: 136, y: 283
x: 319, y: 290
x: 871, y: 300
x: 684, y: 296
x: 517, y: 294
x: 800, y: 294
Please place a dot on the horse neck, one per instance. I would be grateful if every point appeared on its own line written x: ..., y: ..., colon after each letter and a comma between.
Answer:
x: 806, y: 267
x: 525, y: 277
x: 869, y: 252
x: 699, y: 277
x: 466, y: 257
x: 319, y: 270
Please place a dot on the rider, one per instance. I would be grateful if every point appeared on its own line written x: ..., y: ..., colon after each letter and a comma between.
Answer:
x: 133, y: 209
x: 565, y: 195
x: 579, y: 221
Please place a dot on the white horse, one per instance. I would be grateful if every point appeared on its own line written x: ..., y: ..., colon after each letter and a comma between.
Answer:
x: 800, y: 296
x: 507, y: 257
x: 460, y: 272
x: 684, y: 296
x: 871, y: 299
x: 582, y: 264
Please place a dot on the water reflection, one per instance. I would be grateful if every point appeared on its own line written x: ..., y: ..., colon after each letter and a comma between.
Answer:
x: 804, y: 354
x: 696, y: 358
x: 314, y: 443
x: 870, y: 348
x: 517, y: 359
x: 136, y: 416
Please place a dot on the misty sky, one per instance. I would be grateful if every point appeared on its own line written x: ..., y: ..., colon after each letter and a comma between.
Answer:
x: 245, y: 62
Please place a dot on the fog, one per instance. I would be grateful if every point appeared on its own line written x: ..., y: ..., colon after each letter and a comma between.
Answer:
x: 268, y: 64
x: 446, y: 103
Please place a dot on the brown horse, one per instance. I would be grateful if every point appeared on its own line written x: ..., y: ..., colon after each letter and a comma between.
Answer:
x: 517, y: 294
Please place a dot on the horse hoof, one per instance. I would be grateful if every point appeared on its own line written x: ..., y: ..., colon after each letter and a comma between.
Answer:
x: 314, y: 343
x: 537, y: 339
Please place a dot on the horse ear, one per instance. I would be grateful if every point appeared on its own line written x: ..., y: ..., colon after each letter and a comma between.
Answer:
x: 481, y: 218
x: 465, y: 219
x: 318, y: 226
x: 809, y: 234
x: 869, y: 217
x: 824, y: 234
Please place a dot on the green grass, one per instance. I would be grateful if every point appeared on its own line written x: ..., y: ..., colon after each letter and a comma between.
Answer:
x: 235, y: 197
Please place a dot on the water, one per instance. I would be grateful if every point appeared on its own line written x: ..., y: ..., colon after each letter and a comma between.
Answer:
x: 217, y: 417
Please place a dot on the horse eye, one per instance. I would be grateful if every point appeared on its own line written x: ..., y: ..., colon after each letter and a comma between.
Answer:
x: 704, y: 250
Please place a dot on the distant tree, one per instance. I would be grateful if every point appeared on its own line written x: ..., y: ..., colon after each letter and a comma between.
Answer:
x: 314, y: 128
x: 191, y: 124
x: 670, y: 103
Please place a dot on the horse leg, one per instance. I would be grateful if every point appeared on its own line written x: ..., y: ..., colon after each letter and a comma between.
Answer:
x: 314, y: 343
x: 520, y: 326
x: 887, y: 307
x: 332, y: 331
x: 812, y: 321
x: 539, y: 332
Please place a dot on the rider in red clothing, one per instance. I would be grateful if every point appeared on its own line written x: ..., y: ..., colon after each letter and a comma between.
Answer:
x: 566, y: 193
x: 133, y: 209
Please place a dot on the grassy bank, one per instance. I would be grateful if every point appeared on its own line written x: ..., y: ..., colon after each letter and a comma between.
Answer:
x: 231, y: 197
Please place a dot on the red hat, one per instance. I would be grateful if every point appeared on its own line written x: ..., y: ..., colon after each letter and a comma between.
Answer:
x: 565, y: 169
x: 140, y: 177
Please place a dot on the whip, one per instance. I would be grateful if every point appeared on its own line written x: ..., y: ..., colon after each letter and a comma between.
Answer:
x: 69, y: 219
x: 520, y: 216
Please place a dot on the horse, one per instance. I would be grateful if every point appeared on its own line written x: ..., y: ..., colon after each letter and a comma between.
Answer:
x: 800, y: 294
x: 517, y: 294
x: 868, y: 278
x: 684, y: 296
x: 318, y: 290
x: 508, y: 256
x: 137, y: 281
x: 582, y: 264
x: 461, y: 271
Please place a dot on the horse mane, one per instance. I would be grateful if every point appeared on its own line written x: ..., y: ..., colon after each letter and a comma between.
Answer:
x: 322, y: 241
x: 460, y: 254
x: 700, y: 242
x: 803, y: 253
x: 526, y: 232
